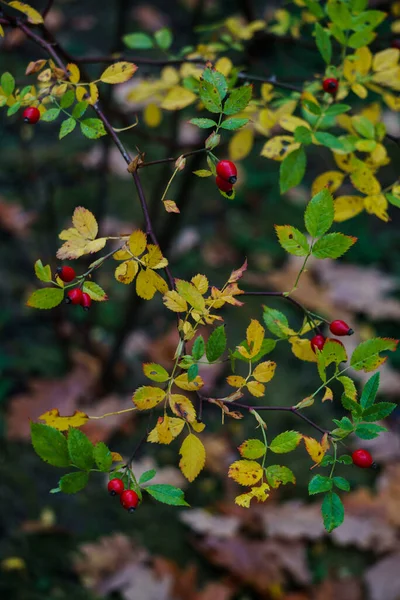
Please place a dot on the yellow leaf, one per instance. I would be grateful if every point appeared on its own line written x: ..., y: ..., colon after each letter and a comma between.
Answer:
x: 260, y: 492
x: 35, y: 66
x: 191, y: 294
x: 77, y: 246
x: 182, y: 407
x: 359, y: 90
x: 74, y: 73
x: 254, y: 337
x: 177, y: 98
x: 116, y: 457
x: 386, y: 59
x: 314, y: 449
x: 1, y: 31
x: 388, y: 78
x: 245, y: 472
x: 175, y: 302
x: 147, y: 397
x: 378, y: 157
x: 256, y: 389
x: 365, y: 145
x: 13, y: 563
x: 265, y: 371
x: 152, y: 115
x: 94, y: 94
x: 267, y: 91
x: 290, y: 123
x: 198, y: 426
x: 331, y: 180
x: 154, y: 258
x: 346, y: 162
x: 81, y: 93
x: 163, y: 430
x: 392, y: 101
x: 364, y: 181
x: 118, y: 72
x: 189, y: 386
x: 85, y: 223
x: 53, y: 418
x: 175, y: 426
x: 377, y: 205
x: 126, y: 271
x: 193, y: 457
x: 241, y: 143
x: 171, y: 207
x: 236, y: 381
x: 33, y: 15
x: 137, y: 242
x: 328, y: 395
x: 200, y: 282
x: 145, y: 287
x: 350, y: 389
x: 244, y: 500
x: 347, y: 207
x: 302, y: 349
x: 159, y: 283
x: 278, y: 147
x: 224, y: 65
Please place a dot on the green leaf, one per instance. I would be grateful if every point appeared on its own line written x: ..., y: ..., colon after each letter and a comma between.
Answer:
x: 168, y: 494
x: 68, y: 99
x: 50, y: 444
x: 42, y: 272
x: 341, y: 483
x: 368, y: 19
x: 366, y: 356
x: 274, y: 321
x: 210, y: 97
x: 199, y: 348
x: 13, y: 109
x: 79, y: 109
x: 138, y: 41
x: 146, y: 476
x: 312, y: 107
x: 393, y: 200
x: 217, y: 80
x: 93, y: 128
x: 216, y: 344
x: 102, y: 457
x: 361, y: 38
x: 292, y: 240
x: 155, y: 372
x: 337, y: 109
x: 46, y: 298
x: 332, y: 245
x: 292, y: 169
x: 192, y: 373
x: 319, y: 484
x: 238, y: 99
x: 303, y: 135
x: 351, y: 405
x: 67, y: 127
x: 314, y: 8
x: 378, y: 411
x: 267, y: 346
x: 278, y: 474
x: 285, y: 442
x: 95, y: 291
x: 163, y: 38
x: 328, y: 140
x: 80, y: 449
x: 370, y: 390
x: 345, y: 459
x: 7, y: 83
x: 234, y: 123
x: 319, y: 213
x: 323, y: 41
x: 203, y: 123
x: 369, y: 431
x: 252, y: 449
x: 332, y: 511
x: 326, y: 461
x: 73, y: 482
x: 364, y: 127
x: 344, y: 423
x: 339, y: 14
x: 50, y: 115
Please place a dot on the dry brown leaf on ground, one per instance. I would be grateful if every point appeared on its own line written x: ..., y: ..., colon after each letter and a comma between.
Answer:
x: 347, y: 588
x: 15, y: 219
x: 203, y: 522
x: 292, y: 521
x: 383, y: 579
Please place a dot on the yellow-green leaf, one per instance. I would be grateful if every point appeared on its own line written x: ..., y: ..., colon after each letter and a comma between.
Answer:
x: 240, y: 144
x: 46, y: 298
x: 147, y: 397
x: 43, y: 273
x: 155, y: 372
x: 118, y: 72
x: 85, y: 223
x: 33, y: 15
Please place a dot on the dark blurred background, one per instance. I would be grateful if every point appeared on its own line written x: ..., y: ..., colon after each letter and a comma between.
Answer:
x: 85, y: 546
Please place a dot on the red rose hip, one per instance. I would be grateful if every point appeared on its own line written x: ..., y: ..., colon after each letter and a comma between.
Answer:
x: 115, y: 487
x: 330, y: 85
x: 318, y: 341
x: 74, y: 296
x: 362, y: 458
x: 31, y: 115
x: 227, y: 170
x: 86, y: 301
x: 66, y: 274
x: 339, y: 328
x: 129, y: 500
x: 223, y: 185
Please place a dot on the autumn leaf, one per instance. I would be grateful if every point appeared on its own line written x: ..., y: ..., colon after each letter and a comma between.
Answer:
x: 147, y: 397
x: 254, y: 337
x: 245, y: 472
x: 265, y: 371
x: 118, y: 72
x: 80, y: 239
x: 137, y: 242
x: 175, y: 302
x: 190, y: 386
x: 54, y: 419
x: 175, y: 427
x: 33, y: 15
x: 315, y: 449
x: 193, y: 457
x: 182, y: 407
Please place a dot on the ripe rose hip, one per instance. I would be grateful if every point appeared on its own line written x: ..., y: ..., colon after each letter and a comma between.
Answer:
x: 362, y: 458
x: 318, y: 341
x: 74, y: 296
x: 339, y: 327
x: 330, y: 85
x: 66, y: 274
x: 31, y: 115
x: 129, y: 500
x: 227, y: 170
x: 223, y: 185
x: 115, y: 487
x: 86, y: 301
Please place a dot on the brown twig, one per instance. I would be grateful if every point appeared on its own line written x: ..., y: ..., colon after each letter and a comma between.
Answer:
x: 47, y: 8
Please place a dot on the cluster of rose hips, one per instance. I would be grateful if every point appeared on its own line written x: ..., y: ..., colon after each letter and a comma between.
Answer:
x: 128, y: 498
x: 74, y: 296
x: 338, y: 328
x: 330, y: 86
x: 226, y: 176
